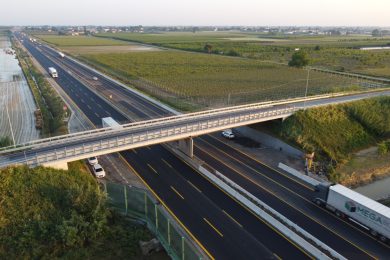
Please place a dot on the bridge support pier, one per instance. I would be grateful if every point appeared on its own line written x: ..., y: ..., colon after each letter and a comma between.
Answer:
x: 57, y: 165
x: 187, y: 146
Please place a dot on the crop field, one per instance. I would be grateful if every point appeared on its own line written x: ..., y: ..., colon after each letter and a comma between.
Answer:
x: 192, y: 81
x: 333, y: 52
x: 80, y: 50
x: 79, y: 41
x: 178, y: 37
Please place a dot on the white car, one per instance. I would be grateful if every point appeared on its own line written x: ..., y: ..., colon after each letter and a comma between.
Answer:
x: 93, y: 160
x: 99, y: 171
x: 228, y: 133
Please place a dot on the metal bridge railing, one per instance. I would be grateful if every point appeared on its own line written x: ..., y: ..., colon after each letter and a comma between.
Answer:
x: 165, y: 120
x: 119, y: 139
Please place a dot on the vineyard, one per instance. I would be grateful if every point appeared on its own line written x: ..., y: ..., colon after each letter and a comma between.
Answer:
x: 79, y: 40
x: 195, y: 81
x: 338, y: 53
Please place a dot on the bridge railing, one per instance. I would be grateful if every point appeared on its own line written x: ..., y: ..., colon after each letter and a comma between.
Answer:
x: 176, y: 118
x: 119, y: 141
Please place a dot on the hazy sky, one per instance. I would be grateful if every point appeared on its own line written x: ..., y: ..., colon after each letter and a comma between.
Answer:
x: 196, y: 12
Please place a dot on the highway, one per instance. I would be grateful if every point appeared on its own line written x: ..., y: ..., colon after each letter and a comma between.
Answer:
x: 217, y: 221
x: 288, y: 196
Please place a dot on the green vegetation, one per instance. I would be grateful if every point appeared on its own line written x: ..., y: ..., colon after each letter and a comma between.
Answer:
x: 47, y: 99
x: 47, y: 213
x: 202, y: 80
x: 335, y: 132
x: 79, y: 41
x: 5, y: 141
x: 334, y: 52
x: 384, y: 147
x: 299, y: 59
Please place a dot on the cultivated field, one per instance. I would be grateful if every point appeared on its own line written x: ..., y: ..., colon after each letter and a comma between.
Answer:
x: 193, y: 80
x: 79, y: 40
x: 79, y: 50
x: 203, y: 80
x: 334, y: 52
x: 16, y: 100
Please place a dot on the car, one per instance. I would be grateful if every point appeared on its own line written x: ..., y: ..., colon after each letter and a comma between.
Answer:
x: 95, y: 78
x: 228, y: 133
x: 98, y: 171
x: 93, y: 160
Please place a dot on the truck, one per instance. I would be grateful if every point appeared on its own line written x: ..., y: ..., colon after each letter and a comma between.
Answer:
x: 53, y: 72
x: 357, y: 208
x: 110, y: 122
x: 61, y: 54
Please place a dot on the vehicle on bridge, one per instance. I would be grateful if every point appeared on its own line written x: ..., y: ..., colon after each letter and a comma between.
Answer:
x: 53, y: 72
x: 62, y: 55
x: 361, y: 210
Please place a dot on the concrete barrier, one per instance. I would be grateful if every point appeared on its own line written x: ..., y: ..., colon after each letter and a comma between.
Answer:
x: 299, y: 175
x: 250, y: 201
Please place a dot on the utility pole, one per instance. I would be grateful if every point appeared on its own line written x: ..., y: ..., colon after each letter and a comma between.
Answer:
x: 307, y: 86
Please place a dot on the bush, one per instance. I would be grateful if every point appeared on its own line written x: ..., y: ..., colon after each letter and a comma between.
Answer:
x: 384, y: 147
x: 5, y: 141
x: 299, y: 59
x: 46, y: 212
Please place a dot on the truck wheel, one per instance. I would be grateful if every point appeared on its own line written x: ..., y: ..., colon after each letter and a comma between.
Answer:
x: 339, y: 214
x: 383, y: 238
x: 318, y: 203
x: 374, y: 233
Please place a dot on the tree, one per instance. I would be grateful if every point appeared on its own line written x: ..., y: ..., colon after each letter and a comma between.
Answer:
x: 46, y: 212
x: 299, y: 59
x: 208, y: 48
x: 376, y: 33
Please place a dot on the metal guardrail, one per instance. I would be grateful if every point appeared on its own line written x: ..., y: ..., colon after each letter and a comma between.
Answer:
x: 133, y: 135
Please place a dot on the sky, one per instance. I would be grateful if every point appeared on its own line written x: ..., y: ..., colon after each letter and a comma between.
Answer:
x: 196, y: 12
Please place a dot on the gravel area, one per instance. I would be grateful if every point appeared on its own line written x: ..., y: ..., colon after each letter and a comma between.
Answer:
x: 16, y: 99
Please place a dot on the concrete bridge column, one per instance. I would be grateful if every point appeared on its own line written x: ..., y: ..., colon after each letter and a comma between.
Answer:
x: 187, y: 146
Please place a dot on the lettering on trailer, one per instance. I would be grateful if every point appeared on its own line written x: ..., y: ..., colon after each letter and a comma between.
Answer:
x: 353, y: 208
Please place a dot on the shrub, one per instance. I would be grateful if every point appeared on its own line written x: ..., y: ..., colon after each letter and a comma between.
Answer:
x: 299, y: 59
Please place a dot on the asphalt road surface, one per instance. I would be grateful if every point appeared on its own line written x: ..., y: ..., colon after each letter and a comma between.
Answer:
x: 224, y: 227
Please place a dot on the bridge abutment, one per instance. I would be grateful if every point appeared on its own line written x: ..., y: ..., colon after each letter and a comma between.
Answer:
x: 57, y: 165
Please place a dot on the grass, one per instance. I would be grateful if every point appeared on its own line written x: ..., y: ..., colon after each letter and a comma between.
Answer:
x: 335, y: 132
x: 79, y: 41
x: 205, y: 80
x: 364, y: 167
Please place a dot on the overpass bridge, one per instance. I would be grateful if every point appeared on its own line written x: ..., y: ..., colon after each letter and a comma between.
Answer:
x: 58, y: 151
